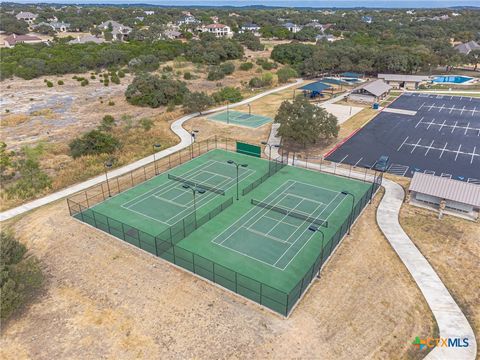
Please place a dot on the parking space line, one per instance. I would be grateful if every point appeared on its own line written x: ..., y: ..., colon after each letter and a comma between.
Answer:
x: 429, y: 147
x: 441, y: 126
x: 454, y: 126
x: 441, y: 154
x: 473, y: 154
x: 415, y: 146
x: 402, y: 143
x: 458, y: 151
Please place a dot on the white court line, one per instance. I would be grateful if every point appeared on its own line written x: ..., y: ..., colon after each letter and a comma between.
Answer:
x: 311, y: 235
x: 404, y: 141
x: 259, y: 209
x: 171, y: 202
x: 415, y: 146
x: 156, y: 188
x: 265, y: 235
x: 271, y: 218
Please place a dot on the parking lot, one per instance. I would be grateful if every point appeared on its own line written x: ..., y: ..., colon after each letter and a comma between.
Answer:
x: 435, y: 134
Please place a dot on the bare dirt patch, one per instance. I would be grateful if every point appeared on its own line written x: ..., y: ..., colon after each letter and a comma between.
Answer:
x: 104, y: 299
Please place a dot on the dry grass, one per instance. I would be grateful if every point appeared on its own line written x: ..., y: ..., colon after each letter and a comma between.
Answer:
x: 452, y: 247
x: 364, y: 306
x: 14, y: 119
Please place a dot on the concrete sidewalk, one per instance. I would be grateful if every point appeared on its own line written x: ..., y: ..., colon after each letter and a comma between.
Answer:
x: 450, y: 319
x: 185, y: 140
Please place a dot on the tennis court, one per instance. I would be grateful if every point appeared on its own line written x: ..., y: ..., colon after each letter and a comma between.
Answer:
x: 241, y: 118
x: 266, y: 246
x: 279, y: 226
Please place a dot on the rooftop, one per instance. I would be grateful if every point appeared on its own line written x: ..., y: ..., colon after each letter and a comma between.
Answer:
x: 401, y: 77
x: 446, y: 188
x: 377, y: 87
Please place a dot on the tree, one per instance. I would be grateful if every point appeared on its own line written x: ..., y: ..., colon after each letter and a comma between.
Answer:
x: 197, y: 102
x: 228, y: 93
x: 215, y: 73
x: 305, y: 123
x: 150, y: 90
x: 93, y: 143
x: 11, y: 25
x: 286, y: 73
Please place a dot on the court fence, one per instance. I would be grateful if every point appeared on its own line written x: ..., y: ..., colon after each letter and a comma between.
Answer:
x: 166, y: 244
x: 273, y: 168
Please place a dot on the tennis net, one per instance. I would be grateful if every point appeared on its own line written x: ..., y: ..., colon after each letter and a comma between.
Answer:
x: 290, y: 212
x: 196, y: 184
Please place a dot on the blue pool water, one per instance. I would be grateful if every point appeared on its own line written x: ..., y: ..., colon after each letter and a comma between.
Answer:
x: 455, y: 79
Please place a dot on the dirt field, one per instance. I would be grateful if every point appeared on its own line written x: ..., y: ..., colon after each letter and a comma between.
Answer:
x: 452, y: 247
x: 105, y: 299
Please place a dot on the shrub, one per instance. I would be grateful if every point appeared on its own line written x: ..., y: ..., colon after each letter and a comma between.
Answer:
x: 246, y: 66
x: 115, y: 79
x: 197, y: 102
x: 121, y: 74
x: 227, y: 68
x: 187, y: 76
x: 111, y: 103
x: 107, y: 124
x: 84, y: 82
x: 150, y: 90
x: 49, y: 84
x: 171, y: 107
x: 215, y: 73
x: 146, y: 124
x: 94, y: 142
x: 167, y: 68
x: 60, y: 82
x: 20, y: 275
x: 93, y: 77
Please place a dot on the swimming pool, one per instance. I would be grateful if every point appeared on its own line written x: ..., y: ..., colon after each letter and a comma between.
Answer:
x: 454, y: 79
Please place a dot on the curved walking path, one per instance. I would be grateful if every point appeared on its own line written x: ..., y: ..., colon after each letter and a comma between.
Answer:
x: 450, y: 319
x: 176, y: 127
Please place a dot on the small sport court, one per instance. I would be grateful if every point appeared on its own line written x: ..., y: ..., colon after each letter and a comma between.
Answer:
x: 241, y: 118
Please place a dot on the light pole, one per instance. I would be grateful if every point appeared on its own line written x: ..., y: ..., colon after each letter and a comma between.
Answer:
x: 237, y: 166
x: 270, y: 148
x: 228, y: 115
x: 351, y: 212
x: 155, y: 147
x: 314, y: 228
x: 249, y: 109
x: 194, y: 189
x: 192, y: 139
x: 108, y: 164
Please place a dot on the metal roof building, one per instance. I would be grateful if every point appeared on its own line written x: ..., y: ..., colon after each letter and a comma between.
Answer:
x: 370, y: 92
x: 459, y: 196
x: 401, y: 81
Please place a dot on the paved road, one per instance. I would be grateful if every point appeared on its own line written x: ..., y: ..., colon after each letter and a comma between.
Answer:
x: 185, y: 140
x: 450, y: 319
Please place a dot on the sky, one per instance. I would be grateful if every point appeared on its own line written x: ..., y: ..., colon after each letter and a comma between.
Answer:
x: 286, y: 3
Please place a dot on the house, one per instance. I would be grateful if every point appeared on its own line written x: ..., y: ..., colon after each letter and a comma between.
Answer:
x: 219, y: 30
x: 399, y: 81
x: 370, y: 92
x: 294, y: 28
x: 172, y: 34
x: 445, y: 195
x: 322, y: 37
x: 119, y: 31
x: 316, y: 25
x: 26, y: 16
x: 187, y: 20
x: 367, y: 19
x: 149, y: 12
x: 12, y: 40
x: 86, y: 39
x: 60, y: 26
x: 253, y: 28
x: 466, y: 48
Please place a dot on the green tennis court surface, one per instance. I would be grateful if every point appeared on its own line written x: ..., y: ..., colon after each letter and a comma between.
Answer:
x: 241, y: 118
x: 266, y: 246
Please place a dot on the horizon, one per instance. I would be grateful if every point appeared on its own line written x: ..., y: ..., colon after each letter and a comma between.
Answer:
x: 328, y: 4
